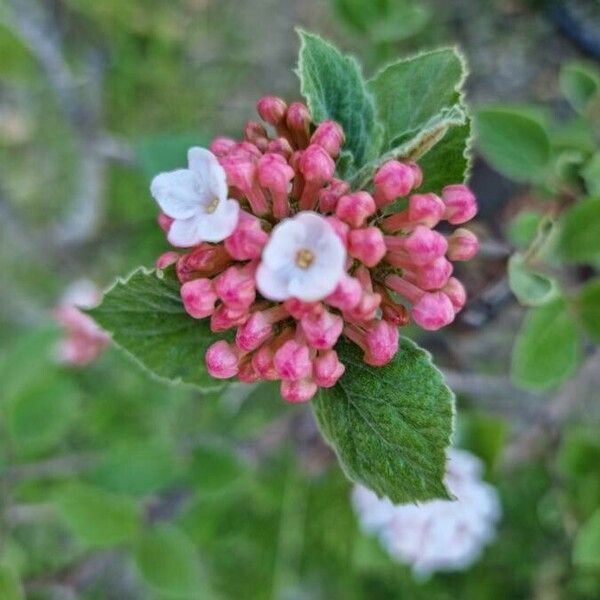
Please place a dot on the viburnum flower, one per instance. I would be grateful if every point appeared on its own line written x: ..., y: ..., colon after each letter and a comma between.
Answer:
x: 291, y: 257
x: 438, y: 535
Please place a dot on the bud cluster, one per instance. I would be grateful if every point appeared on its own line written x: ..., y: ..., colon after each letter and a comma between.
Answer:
x: 304, y: 259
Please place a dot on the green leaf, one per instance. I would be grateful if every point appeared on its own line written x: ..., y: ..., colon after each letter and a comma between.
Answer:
x: 100, y: 519
x: 168, y: 562
x: 547, y: 349
x: 214, y: 467
x: 579, y: 237
x: 587, y: 305
x: 530, y: 287
x: 591, y: 175
x: 484, y: 435
x: 390, y: 426
x: 145, y: 315
x: 586, y: 551
x: 10, y: 586
x: 410, y: 92
x: 522, y: 229
x: 334, y: 88
x: 513, y: 142
x: 580, y: 83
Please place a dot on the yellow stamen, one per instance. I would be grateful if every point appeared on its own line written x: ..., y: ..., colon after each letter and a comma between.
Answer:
x: 212, y: 206
x: 304, y: 258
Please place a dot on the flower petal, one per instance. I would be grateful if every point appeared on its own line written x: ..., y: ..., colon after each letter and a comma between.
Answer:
x: 215, y: 227
x: 205, y: 165
x: 286, y: 239
x: 185, y: 233
x: 310, y: 285
x: 177, y: 193
x: 272, y: 284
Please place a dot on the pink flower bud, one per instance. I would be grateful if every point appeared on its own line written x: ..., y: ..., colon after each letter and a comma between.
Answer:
x: 247, y: 240
x: 224, y: 318
x: 222, y: 360
x: 392, y: 180
x: 198, y: 298
x: 462, y: 245
x: 167, y: 259
x: 461, y: 205
x: 241, y: 173
x: 221, y: 146
x: 205, y: 260
x: 423, y: 209
x: 328, y: 196
x: 244, y: 150
x: 422, y: 246
x: 355, y: 208
x: 297, y: 308
x: 236, y: 287
x: 298, y: 120
x: 259, y: 327
x: 341, y: 229
x: 247, y: 373
x: 292, y: 361
x: 280, y: 146
x: 275, y: 175
x: 327, y: 369
x: 403, y: 287
x: 330, y: 136
x: 417, y: 175
x: 396, y: 314
x: 164, y: 222
x: 346, y: 295
x: 366, y: 309
x: 456, y: 292
x: 432, y: 276
x: 433, y: 311
x: 298, y: 391
x: 317, y: 167
x: 322, y: 330
x: 381, y: 343
x: 262, y: 361
x: 271, y: 109
x: 367, y: 245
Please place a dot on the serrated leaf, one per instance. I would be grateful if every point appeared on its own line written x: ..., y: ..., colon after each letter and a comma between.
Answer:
x: 168, y: 562
x: 334, y: 88
x: 579, y: 236
x: 529, y: 286
x: 10, y: 586
x: 514, y: 142
x: 145, y: 315
x: 390, y: 426
x: 586, y: 551
x: 98, y: 518
x: 587, y: 305
x: 547, y: 350
x: 580, y: 83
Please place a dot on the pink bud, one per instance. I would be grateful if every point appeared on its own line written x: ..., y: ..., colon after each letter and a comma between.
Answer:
x: 292, y: 361
x: 85, y: 340
x: 247, y: 240
x: 322, y: 330
x: 245, y: 150
x: 328, y: 196
x: 256, y: 134
x: 275, y: 175
x: 392, y: 180
x: 403, y: 287
x: 461, y: 205
x: 346, y: 295
x: 341, y: 229
x: 423, y: 209
x: 236, y: 287
x: 298, y: 120
x: 462, y: 245
x: 280, y: 146
x: 433, y: 311
x: 355, y: 208
x: 366, y: 309
x: 262, y: 361
x: 222, y: 360
x: 224, y: 318
x: 396, y: 314
x: 205, y: 260
x: 381, y: 343
x: 247, y: 373
x: 417, y: 175
x: 241, y: 173
x: 297, y: 309
x: 367, y: 245
x: 221, y: 146
x: 317, y: 167
x: 456, y: 292
x: 330, y: 136
x: 166, y: 259
x: 298, y: 391
x: 327, y: 369
x: 258, y: 328
x: 198, y: 298
x: 271, y: 109
x: 164, y: 222
x: 423, y: 245
x: 432, y: 276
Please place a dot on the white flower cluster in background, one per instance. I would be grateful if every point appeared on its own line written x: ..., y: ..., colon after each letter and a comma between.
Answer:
x: 438, y: 535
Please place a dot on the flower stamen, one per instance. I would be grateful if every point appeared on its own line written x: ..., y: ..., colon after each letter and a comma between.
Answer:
x: 304, y: 258
x: 212, y: 206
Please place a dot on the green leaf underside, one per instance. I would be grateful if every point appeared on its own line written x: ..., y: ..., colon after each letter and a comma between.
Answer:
x: 390, y: 426
x: 547, y: 349
x: 146, y: 317
x: 334, y: 88
x: 580, y: 83
x: 530, y: 287
x: 579, y: 238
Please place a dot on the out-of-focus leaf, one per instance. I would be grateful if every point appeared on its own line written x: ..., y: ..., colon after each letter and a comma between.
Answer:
x: 587, y: 305
x: 523, y: 227
x: 10, y: 586
x: 214, y: 468
x: 580, y: 83
x: 169, y: 563
x: 579, y: 235
x: 591, y: 175
x: 390, y: 426
x: 513, y: 142
x: 484, y: 435
x: 547, y: 349
x: 145, y: 315
x: 98, y: 518
x: 586, y: 551
x: 530, y: 287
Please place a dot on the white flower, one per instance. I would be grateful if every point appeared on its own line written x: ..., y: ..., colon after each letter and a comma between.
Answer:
x: 304, y: 259
x: 196, y: 198
x: 439, y: 535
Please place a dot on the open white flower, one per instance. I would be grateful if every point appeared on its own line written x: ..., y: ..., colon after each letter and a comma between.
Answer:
x: 304, y: 259
x: 196, y: 198
x: 439, y: 535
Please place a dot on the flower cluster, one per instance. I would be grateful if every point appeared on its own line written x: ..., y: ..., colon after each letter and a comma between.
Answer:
x: 439, y: 535
x: 290, y: 257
